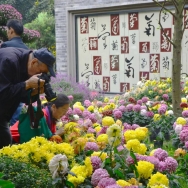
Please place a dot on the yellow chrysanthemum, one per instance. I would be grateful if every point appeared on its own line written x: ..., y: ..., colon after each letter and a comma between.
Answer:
x: 98, y: 129
x: 102, y: 138
x: 89, y: 166
x: 81, y: 174
x: 77, y: 104
x: 181, y: 121
x: 152, y: 152
x: 102, y: 155
x: 142, y: 149
x: 156, y: 117
x: 183, y: 100
x: 129, y: 135
x: 107, y: 121
x: 91, y: 108
x: 134, y: 145
x: 158, y: 179
x: 118, y: 122
x: 112, y: 106
x: 145, y: 169
x: 140, y: 134
x: 106, y: 108
x: 123, y: 183
x: 106, y: 99
x: 69, y: 127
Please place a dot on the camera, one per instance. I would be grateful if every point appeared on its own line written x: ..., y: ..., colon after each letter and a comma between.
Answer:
x: 49, y: 94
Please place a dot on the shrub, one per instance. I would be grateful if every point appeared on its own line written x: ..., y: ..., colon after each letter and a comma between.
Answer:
x: 64, y: 84
x: 24, y: 175
x: 8, y: 12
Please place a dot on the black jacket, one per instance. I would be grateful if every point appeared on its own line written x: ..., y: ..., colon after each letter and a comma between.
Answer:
x: 14, y: 42
x: 13, y: 74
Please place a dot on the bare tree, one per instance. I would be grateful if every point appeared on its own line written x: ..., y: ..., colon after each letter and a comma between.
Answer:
x: 179, y: 28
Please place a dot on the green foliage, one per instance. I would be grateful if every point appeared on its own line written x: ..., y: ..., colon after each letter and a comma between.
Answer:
x: 24, y: 175
x: 30, y: 9
x: 45, y: 24
x: 5, y: 183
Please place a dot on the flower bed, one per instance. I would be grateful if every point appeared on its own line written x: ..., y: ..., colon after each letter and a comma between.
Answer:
x: 108, y: 144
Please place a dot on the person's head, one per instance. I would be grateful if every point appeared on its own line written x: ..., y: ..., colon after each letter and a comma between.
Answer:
x: 59, y: 106
x: 14, y: 28
x: 41, y: 61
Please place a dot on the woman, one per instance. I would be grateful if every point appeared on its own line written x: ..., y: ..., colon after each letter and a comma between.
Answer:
x: 52, y: 112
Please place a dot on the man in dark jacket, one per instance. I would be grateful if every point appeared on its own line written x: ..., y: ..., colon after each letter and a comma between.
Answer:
x: 19, y: 71
x: 14, y: 32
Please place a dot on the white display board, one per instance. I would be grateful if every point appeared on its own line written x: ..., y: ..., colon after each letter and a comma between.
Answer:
x: 115, y: 51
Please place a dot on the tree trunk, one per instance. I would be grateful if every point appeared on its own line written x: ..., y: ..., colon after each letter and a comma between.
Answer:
x: 176, y: 60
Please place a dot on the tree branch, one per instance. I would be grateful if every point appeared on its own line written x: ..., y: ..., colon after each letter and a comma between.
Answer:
x: 165, y: 8
x: 175, y: 4
x: 183, y: 6
x: 184, y: 17
x: 162, y: 26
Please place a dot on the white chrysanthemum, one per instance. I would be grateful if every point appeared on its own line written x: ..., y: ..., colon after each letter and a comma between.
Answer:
x: 178, y: 129
x: 170, y: 112
x: 58, y: 165
x: 76, y: 117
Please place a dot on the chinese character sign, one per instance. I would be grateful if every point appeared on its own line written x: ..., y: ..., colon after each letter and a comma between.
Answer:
x: 115, y: 51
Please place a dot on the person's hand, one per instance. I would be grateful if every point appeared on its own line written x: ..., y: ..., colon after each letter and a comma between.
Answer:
x: 32, y: 82
x: 56, y: 138
x: 35, y: 91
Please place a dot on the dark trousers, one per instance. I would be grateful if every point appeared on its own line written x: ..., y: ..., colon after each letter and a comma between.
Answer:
x: 5, y: 136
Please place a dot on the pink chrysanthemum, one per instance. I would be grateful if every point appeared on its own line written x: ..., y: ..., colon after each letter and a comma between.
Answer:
x: 104, y: 182
x: 160, y: 154
x: 91, y: 146
x: 96, y: 162
x: 98, y: 175
x: 171, y: 164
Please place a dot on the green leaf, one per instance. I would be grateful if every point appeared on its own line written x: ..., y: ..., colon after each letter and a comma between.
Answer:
x: 69, y: 184
x: 133, y: 156
x: 6, y: 184
x: 119, y: 174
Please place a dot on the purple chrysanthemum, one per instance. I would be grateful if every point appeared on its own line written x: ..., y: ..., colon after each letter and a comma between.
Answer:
x: 136, y: 108
x: 91, y: 130
x: 161, y: 166
x: 113, y: 186
x: 160, y: 154
x: 96, y: 162
x: 185, y: 113
x: 149, y: 114
x: 139, y: 102
x: 184, y: 135
x: 69, y: 112
x: 118, y: 114
x: 122, y: 108
x: 153, y: 160
x: 134, y: 126
x: 104, y: 182
x: 165, y: 97
x: 129, y: 107
x: 121, y: 102
x: 144, y: 99
x: 171, y: 164
x: 87, y: 103
x: 86, y: 114
x: 162, y: 110
x: 77, y: 111
x: 186, y: 145
x: 98, y: 175
x: 93, y: 118
x: 103, y: 130
x: 91, y: 146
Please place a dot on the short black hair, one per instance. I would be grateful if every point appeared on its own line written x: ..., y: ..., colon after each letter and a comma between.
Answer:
x: 16, y: 25
x: 60, y: 101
